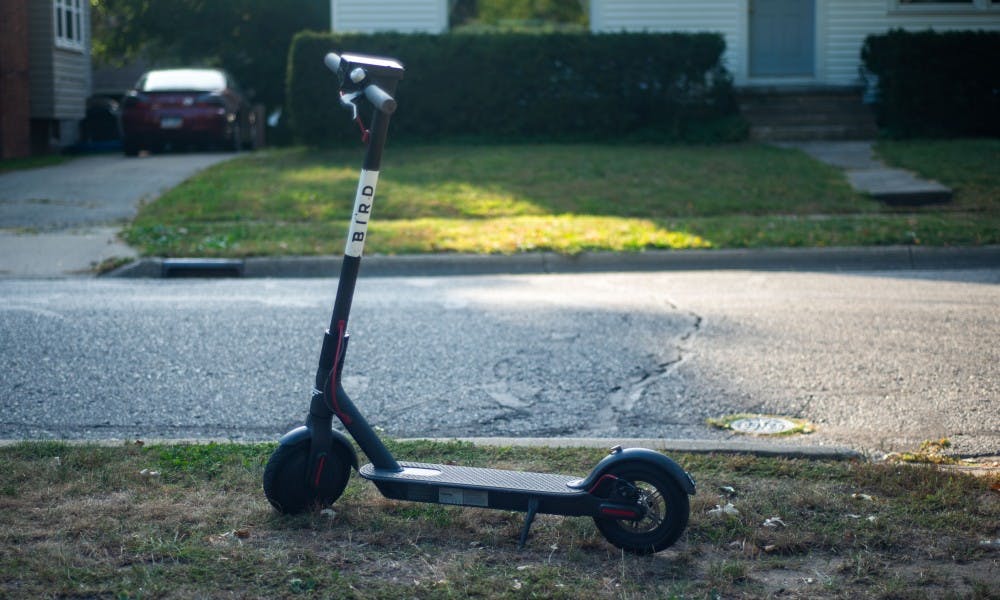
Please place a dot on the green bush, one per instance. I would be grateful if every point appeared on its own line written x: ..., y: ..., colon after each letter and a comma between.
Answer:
x: 528, y: 87
x: 936, y: 84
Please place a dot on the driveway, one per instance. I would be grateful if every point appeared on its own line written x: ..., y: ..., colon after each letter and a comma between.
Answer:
x: 61, y: 220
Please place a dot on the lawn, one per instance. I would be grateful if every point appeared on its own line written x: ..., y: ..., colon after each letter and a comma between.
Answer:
x: 191, y: 521
x: 32, y: 162
x: 563, y: 198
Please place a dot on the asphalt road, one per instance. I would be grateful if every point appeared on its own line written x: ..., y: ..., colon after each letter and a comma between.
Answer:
x: 877, y: 360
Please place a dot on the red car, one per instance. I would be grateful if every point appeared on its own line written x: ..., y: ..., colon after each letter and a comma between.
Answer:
x: 186, y: 106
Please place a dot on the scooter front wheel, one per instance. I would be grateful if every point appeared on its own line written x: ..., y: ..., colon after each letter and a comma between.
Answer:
x: 286, y: 483
x: 666, y: 511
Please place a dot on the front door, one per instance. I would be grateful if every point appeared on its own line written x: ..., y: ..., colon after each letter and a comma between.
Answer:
x: 782, y: 38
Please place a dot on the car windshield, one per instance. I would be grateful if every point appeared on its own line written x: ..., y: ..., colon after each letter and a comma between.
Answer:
x: 195, y: 80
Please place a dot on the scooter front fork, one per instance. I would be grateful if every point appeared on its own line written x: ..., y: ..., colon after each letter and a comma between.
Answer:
x: 321, y: 440
x: 328, y: 400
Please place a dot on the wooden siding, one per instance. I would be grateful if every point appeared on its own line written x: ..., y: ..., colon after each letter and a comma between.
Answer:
x: 59, y: 78
x: 407, y: 16
x: 841, y: 28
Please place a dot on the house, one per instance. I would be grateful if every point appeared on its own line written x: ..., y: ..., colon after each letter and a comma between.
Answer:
x: 793, y: 42
x: 405, y: 16
x: 44, y: 73
x: 769, y: 42
x: 797, y: 63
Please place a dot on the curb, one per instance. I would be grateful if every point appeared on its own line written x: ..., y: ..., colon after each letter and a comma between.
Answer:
x: 772, y: 259
x: 751, y: 447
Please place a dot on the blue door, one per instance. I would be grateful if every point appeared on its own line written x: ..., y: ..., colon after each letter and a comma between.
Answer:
x: 782, y: 38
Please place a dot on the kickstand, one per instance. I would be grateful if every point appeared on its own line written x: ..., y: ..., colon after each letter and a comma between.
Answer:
x: 532, y: 509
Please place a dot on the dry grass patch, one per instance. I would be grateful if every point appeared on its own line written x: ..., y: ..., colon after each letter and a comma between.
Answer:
x: 187, y: 521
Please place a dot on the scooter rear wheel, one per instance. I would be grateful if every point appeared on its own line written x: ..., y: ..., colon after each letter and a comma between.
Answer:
x: 666, y: 507
x: 286, y: 484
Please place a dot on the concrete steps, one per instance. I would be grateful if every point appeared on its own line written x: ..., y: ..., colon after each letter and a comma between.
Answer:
x: 802, y: 114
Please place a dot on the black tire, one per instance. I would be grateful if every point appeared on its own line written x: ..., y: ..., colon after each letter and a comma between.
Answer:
x: 285, y: 483
x: 236, y: 141
x: 666, y: 517
x: 131, y: 146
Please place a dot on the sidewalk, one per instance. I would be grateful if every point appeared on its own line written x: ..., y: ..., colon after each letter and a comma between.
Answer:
x: 63, y: 220
x: 868, y: 175
x: 60, y: 253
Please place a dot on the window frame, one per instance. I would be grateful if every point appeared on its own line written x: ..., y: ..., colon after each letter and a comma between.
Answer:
x: 939, y: 6
x: 68, y: 26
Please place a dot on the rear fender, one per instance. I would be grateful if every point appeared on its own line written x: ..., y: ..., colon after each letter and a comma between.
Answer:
x: 632, y: 455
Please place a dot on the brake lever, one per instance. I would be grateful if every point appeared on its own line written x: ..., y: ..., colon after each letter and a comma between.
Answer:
x: 348, y: 101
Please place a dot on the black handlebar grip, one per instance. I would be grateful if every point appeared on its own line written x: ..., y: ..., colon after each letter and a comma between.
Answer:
x: 380, y: 99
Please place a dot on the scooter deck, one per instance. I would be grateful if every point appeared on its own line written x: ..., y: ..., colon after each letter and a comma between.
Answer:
x: 474, y: 486
x: 498, y: 479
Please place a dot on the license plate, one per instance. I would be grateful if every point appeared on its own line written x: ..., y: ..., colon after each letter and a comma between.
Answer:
x: 171, y: 122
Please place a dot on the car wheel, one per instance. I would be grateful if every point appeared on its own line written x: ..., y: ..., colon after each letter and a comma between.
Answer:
x: 130, y: 146
x: 237, y: 139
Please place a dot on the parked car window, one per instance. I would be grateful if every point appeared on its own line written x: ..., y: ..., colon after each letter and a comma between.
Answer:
x: 183, y: 80
x: 176, y: 108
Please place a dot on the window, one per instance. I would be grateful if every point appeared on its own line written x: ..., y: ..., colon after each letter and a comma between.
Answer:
x: 186, y: 80
x: 68, y: 23
x: 944, y: 6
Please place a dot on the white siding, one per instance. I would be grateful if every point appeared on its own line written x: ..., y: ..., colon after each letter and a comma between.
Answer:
x: 727, y: 17
x: 71, y: 80
x: 406, y: 16
x: 849, y: 22
x: 841, y: 27
x: 59, y: 79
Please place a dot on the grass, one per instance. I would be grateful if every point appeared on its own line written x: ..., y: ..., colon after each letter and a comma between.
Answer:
x: 563, y: 198
x: 180, y: 521
x: 969, y: 167
x: 31, y: 162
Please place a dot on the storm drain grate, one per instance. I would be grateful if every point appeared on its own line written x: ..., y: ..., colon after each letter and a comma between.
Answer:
x: 763, y: 424
x: 202, y: 267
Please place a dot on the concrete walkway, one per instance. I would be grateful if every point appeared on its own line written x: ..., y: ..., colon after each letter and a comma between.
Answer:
x: 62, y: 220
x: 73, y: 252
x: 869, y: 175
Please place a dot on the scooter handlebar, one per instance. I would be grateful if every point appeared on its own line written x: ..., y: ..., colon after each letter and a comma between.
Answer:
x: 332, y: 61
x: 380, y: 99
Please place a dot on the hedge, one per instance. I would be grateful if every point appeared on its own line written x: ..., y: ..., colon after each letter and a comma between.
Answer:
x: 527, y: 86
x: 936, y: 83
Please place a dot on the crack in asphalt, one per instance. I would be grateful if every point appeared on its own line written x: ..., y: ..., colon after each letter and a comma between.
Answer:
x: 623, y: 399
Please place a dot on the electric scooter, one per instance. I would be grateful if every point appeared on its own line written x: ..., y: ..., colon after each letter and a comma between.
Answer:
x: 637, y: 498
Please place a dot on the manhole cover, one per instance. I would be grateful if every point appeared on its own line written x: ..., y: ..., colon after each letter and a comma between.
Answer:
x: 763, y: 425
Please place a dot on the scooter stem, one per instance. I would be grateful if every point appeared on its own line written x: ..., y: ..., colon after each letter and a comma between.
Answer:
x: 329, y: 397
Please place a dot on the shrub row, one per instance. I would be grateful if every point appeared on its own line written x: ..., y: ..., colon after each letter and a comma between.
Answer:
x: 527, y: 86
x: 936, y: 83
